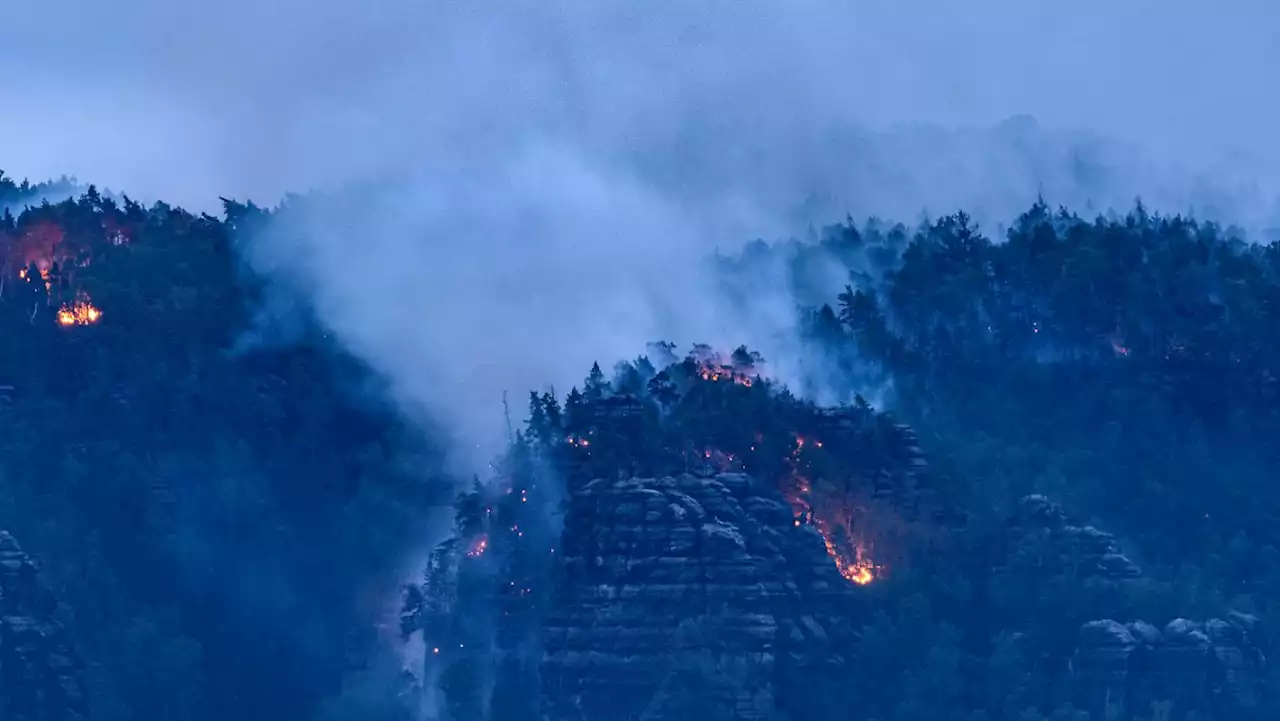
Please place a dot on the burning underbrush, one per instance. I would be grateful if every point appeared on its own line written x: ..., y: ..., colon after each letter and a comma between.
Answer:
x: 81, y: 311
x: 46, y: 262
x: 833, y: 513
x: 829, y: 509
x: 821, y: 484
x: 708, y: 413
x: 742, y: 367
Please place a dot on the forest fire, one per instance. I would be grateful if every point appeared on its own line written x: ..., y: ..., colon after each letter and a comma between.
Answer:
x: 858, y: 570
x: 849, y: 557
x: 81, y: 312
x: 742, y: 367
x: 832, y: 521
x: 717, y: 373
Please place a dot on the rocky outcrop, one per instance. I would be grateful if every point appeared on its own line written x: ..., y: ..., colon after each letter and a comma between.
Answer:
x: 1213, y: 667
x: 903, y: 479
x: 692, y: 597
x: 40, y: 675
x: 1122, y: 669
x: 1043, y: 536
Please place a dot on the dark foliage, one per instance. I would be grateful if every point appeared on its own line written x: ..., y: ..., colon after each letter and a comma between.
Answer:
x: 213, y: 520
x: 1123, y: 366
x: 214, y: 517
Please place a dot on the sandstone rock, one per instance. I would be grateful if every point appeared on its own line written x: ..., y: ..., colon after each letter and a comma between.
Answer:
x: 692, y: 597
x: 40, y: 674
x: 1211, y: 667
x: 1041, y: 529
x: 1101, y: 664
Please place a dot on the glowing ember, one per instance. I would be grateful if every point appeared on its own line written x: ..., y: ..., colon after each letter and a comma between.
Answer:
x: 81, y: 312
x: 44, y: 274
x: 720, y: 373
x: 834, y: 526
x: 740, y: 368
x: 858, y: 570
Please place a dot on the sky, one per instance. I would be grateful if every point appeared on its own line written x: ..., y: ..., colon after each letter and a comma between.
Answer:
x: 192, y: 100
x: 525, y: 187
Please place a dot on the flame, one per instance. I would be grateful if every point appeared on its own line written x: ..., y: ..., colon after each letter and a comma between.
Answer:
x: 850, y: 558
x: 717, y: 372
x: 81, y: 312
x: 858, y: 570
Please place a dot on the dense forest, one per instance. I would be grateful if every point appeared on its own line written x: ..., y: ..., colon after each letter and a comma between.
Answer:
x: 214, y: 518
x: 219, y: 516
x: 1122, y: 366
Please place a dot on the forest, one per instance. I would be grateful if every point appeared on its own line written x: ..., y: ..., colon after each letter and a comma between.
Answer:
x: 217, y: 514
x: 213, y: 517
x: 1122, y: 366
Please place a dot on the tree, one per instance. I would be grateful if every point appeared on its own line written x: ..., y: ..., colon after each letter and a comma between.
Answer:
x: 596, y: 387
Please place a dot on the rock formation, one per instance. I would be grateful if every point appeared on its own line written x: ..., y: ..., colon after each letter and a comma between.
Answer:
x: 692, y: 597
x: 1041, y: 530
x: 1214, y: 667
x: 40, y: 675
x: 1132, y: 669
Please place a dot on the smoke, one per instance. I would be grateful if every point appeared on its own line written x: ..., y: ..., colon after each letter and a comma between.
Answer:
x: 511, y: 192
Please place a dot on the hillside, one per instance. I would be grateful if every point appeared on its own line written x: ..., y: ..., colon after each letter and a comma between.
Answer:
x: 1083, y: 530
x: 1059, y: 502
x: 211, y: 513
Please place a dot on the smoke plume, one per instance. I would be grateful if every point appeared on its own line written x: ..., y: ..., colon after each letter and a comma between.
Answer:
x: 509, y: 192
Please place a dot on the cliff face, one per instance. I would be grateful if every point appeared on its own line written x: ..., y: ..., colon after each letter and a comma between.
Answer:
x: 1042, y: 537
x: 714, y: 595
x: 40, y: 675
x: 692, y: 595
x: 1136, y: 668
x: 1213, y: 667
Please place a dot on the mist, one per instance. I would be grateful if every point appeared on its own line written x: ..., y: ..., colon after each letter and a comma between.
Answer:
x: 504, y: 194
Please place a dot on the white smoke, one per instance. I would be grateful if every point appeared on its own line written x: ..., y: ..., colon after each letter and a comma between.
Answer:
x: 536, y: 183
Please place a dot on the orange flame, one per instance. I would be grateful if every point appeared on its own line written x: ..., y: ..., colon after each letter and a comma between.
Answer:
x: 852, y: 563
x: 717, y: 373
x: 858, y: 570
x: 81, y: 312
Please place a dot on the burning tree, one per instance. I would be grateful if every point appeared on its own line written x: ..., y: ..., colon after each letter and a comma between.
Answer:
x: 832, y: 511
x: 710, y: 413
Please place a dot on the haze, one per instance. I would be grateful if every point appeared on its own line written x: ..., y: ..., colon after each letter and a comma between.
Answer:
x: 537, y: 180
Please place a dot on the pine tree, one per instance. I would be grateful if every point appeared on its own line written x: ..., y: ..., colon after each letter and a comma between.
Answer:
x: 575, y: 416
x: 555, y: 421
x: 596, y: 386
x: 538, y: 424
